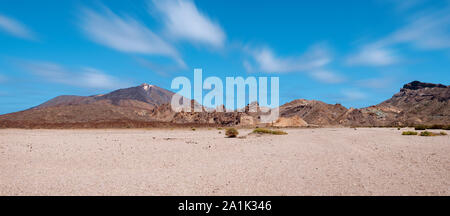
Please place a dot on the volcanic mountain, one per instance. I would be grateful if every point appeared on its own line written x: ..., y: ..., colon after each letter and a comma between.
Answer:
x: 124, y: 105
x: 145, y: 96
x: 416, y: 103
x: 141, y: 106
x: 148, y: 105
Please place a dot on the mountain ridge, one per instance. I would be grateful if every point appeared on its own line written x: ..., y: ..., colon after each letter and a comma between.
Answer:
x: 144, y: 105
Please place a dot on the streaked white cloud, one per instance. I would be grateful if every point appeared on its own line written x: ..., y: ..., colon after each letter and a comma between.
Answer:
x: 3, y: 78
x: 373, y: 55
x: 15, y: 28
x: 327, y: 76
x: 85, y: 77
x: 375, y: 83
x: 403, y: 5
x: 266, y: 61
x: 161, y: 69
x: 184, y: 21
x: 93, y: 78
x: 353, y: 95
x: 427, y: 30
x: 248, y: 66
x: 125, y: 34
x: 313, y: 62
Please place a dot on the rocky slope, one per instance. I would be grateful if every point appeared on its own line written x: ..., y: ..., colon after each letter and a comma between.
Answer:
x: 140, y: 106
x: 313, y: 112
x: 416, y: 103
x: 148, y: 105
x: 143, y: 96
x: 124, y: 105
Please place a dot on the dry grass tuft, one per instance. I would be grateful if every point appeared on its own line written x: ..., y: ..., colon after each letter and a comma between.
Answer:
x: 268, y: 131
x: 409, y: 133
x: 428, y: 133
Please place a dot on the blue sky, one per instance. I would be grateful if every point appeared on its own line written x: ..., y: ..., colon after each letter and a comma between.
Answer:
x: 357, y: 53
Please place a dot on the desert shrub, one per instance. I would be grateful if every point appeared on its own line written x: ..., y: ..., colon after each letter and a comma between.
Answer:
x: 279, y: 132
x: 446, y: 127
x: 219, y: 128
x: 421, y: 127
x: 398, y: 128
x: 231, y: 132
x: 193, y: 129
x: 427, y: 133
x: 267, y: 131
x: 261, y: 130
x: 409, y: 133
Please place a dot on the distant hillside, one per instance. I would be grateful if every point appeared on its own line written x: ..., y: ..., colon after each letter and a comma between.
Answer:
x: 416, y: 103
x: 149, y: 106
x: 313, y: 112
x: 144, y: 96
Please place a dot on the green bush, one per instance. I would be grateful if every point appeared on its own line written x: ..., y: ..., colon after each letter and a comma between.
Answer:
x: 193, y: 129
x: 427, y: 133
x: 443, y: 133
x: 409, y: 133
x: 267, y: 131
x: 231, y: 132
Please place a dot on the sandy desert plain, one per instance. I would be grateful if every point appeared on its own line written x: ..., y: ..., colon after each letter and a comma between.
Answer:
x: 320, y: 161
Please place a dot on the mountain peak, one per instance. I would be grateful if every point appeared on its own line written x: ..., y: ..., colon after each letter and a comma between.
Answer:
x: 146, y: 86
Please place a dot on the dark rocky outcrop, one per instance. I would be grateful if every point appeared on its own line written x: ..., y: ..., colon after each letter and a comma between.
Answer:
x: 415, y: 85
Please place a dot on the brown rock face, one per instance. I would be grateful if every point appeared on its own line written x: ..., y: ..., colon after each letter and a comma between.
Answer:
x: 313, y: 112
x: 293, y: 121
x: 164, y: 113
x: 416, y: 103
x: 144, y: 96
x: 128, y: 105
